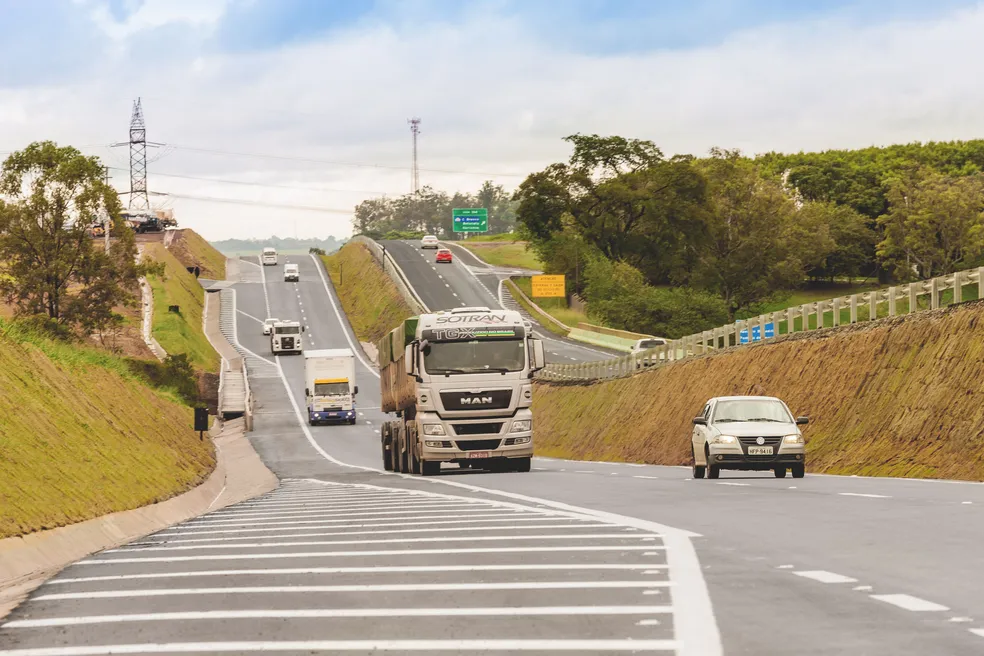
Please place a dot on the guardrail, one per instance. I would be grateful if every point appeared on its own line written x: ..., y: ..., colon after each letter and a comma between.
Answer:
x: 843, y: 310
x: 394, y: 271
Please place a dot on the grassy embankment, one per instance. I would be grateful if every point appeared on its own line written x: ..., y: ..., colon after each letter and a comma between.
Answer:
x: 180, y: 332
x: 371, y: 301
x: 191, y: 249
x: 503, y: 253
x: 83, y: 435
x: 897, y: 397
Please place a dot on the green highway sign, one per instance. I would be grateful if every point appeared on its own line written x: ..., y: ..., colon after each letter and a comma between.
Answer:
x: 470, y: 219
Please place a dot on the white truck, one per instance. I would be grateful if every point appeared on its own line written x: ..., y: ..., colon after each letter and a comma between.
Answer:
x: 460, y: 383
x: 329, y: 386
x: 292, y: 273
x: 285, y: 337
x: 269, y: 256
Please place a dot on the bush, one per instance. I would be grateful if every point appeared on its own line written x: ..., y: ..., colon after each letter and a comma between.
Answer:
x: 176, y: 373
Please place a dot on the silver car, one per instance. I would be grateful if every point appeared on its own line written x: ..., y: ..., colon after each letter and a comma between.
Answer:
x: 750, y: 433
x: 268, y: 325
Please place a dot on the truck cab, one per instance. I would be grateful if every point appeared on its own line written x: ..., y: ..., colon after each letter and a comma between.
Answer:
x: 461, y: 382
x: 269, y: 256
x: 330, y: 389
x: 285, y: 337
x: 292, y: 273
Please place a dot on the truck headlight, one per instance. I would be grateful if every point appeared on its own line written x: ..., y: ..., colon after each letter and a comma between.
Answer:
x: 521, y: 426
x: 436, y: 444
x: 433, y: 429
x: 724, y: 439
x: 793, y: 439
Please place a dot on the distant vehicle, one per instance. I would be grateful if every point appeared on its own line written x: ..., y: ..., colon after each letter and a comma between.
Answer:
x: 329, y: 386
x: 268, y: 325
x: 269, y: 256
x: 643, y: 345
x: 429, y: 241
x: 749, y: 433
x: 285, y: 337
x: 97, y: 229
x: 443, y: 255
x: 292, y: 273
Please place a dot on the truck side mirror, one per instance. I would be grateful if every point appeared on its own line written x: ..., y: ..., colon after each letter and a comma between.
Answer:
x: 304, y: 329
x: 356, y: 390
x: 307, y: 391
x: 539, y: 359
x: 411, y: 361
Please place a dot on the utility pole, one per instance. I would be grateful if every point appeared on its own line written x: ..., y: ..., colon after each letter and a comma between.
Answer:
x: 415, y: 175
x: 106, y: 220
x: 139, y: 199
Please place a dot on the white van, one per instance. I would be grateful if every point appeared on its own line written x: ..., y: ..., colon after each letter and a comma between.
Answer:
x: 269, y: 257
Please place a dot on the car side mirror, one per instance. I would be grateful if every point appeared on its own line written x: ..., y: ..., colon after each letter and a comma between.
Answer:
x: 700, y: 421
x: 802, y: 420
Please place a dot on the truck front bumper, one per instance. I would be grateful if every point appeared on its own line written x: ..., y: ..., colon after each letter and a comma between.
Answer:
x: 459, y: 444
x: 326, y: 416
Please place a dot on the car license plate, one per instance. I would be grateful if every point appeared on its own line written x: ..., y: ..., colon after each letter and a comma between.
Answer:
x: 478, y: 454
x: 760, y: 450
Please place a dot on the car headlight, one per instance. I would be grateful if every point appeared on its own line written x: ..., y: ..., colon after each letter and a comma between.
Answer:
x: 433, y: 429
x: 724, y: 439
x: 793, y: 439
x: 521, y: 426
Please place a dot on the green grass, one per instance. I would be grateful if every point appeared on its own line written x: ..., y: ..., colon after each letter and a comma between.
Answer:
x: 83, y: 435
x: 513, y: 254
x: 180, y: 332
x: 371, y: 301
x: 541, y: 319
x: 556, y: 307
x: 191, y: 249
x: 506, y: 236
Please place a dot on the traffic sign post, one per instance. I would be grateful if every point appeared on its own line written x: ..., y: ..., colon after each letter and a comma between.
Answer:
x: 474, y: 219
x: 549, y: 287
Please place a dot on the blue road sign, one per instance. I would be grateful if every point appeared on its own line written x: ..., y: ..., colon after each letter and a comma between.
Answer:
x: 770, y: 332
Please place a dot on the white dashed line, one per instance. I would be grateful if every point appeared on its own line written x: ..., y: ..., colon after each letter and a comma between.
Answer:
x: 908, y: 602
x: 863, y: 588
x: 785, y: 567
x: 825, y: 577
x: 977, y: 632
x: 583, y: 471
x: 858, y: 494
x: 961, y: 620
x: 647, y: 477
x: 735, y: 484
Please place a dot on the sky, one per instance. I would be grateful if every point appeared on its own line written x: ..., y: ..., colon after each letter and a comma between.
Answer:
x: 279, y: 116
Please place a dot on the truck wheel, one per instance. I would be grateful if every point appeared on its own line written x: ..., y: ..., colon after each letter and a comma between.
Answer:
x: 412, y: 447
x: 383, y: 439
x: 430, y: 467
x: 522, y: 464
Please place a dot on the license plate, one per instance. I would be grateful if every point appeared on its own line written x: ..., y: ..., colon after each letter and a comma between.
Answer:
x: 760, y: 450
x: 478, y: 454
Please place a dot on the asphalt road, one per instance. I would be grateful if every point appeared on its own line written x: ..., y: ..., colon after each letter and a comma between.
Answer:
x: 467, y: 281
x: 748, y: 563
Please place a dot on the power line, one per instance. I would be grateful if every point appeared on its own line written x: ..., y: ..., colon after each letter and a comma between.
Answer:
x: 257, y: 184
x: 337, y: 163
x: 257, y: 203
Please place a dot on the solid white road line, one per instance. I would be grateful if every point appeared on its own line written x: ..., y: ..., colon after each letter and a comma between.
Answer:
x: 447, y: 507
x: 396, y: 587
x: 858, y: 494
x: 361, y: 554
x: 338, y: 613
x: 908, y: 602
x: 379, y: 521
x: 382, y: 523
x: 332, y: 646
x: 825, y: 577
x: 977, y: 632
x: 646, y: 568
x: 327, y: 543
x: 250, y: 316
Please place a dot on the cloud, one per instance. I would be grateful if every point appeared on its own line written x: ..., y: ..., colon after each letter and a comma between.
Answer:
x: 496, y: 96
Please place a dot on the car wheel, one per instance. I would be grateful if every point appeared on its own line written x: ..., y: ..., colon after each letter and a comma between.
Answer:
x: 799, y: 471
x: 780, y: 472
x: 698, y: 469
x: 713, y: 471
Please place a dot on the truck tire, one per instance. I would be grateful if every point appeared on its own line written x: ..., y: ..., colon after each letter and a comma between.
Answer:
x: 412, y: 447
x: 384, y: 437
x: 430, y: 467
x: 522, y: 464
x: 403, y: 460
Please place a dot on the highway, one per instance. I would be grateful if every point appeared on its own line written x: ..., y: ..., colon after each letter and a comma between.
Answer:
x: 571, y: 557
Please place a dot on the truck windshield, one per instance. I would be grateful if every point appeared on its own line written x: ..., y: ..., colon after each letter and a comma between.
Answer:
x: 330, y: 389
x: 751, y: 410
x: 287, y: 330
x: 474, y: 356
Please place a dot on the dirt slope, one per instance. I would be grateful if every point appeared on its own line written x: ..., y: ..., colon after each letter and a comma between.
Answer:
x: 192, y: 250
x: 899, y: 397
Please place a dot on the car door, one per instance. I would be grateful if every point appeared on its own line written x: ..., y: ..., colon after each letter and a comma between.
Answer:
x: 699, y: 436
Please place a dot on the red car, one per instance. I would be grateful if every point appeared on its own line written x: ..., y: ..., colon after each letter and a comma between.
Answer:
x: 443, y: 255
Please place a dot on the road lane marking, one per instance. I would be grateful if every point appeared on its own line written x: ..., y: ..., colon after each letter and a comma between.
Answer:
x: 735, y: 484
x: 858, y: 494
x: 961, y: 620
x: 784, y: 567
x: 350, y: 523
x: 977, y: 632
x: 250, y: 316
x: 385, y: 587
x: 647, y: 477
x: 863, y: 588
x: 648, y: 623
x: 648, y: 568
x: 583, y: 471
x: 339, y: 613
x: 825, y: 577
x: 333, y: 646
x: 908, y: 602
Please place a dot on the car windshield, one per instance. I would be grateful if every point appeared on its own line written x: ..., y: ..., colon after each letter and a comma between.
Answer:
x: 287, y: 330
x: 331, y: 389
x: 474, y: 356
x: 751, y: 410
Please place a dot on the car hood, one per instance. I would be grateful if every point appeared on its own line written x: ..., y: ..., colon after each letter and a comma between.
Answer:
x: 755, y: 428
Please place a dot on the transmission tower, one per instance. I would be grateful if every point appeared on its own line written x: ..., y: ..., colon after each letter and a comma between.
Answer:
x: 415, y: 176
x: 138, y: 143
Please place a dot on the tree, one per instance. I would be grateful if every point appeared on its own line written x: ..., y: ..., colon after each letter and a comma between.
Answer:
x: 935, y: 225
x: 502, y: 210
x: 831, y: 241
x: 745, y: 258
x: 50, y: 265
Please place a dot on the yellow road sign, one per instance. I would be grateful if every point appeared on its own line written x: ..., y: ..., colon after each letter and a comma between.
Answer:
x: 549, y: 287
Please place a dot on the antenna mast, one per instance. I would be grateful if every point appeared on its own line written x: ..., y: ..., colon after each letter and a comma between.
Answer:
x: 415, y: 176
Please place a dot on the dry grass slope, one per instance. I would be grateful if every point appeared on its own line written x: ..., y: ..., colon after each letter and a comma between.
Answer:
x: 81, y: 437
x: 897, y: 397
x: 369, y: 298
x: 191, y: 250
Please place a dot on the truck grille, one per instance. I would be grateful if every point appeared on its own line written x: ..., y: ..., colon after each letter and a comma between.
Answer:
x: 478, y: 445
x: 493, y: 400
x: 477, y: 429
x: 287, y: 342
